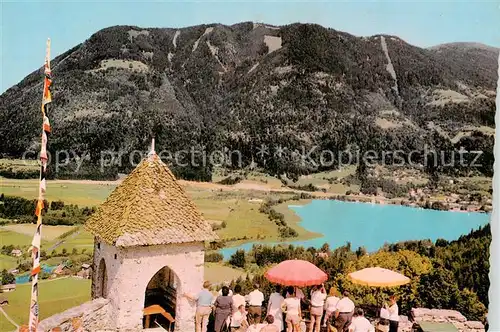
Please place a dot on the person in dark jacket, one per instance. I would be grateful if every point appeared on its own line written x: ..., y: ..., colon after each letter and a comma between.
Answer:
x: 223, y: 309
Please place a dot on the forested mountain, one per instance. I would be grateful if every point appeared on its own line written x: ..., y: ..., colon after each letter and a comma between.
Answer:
x: 214, y: 87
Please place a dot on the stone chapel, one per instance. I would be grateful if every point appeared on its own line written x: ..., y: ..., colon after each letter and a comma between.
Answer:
x: 149, y: 248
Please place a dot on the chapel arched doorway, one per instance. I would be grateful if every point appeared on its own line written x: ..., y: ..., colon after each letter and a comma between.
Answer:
x: 102, y: 280
x: 160, y: 299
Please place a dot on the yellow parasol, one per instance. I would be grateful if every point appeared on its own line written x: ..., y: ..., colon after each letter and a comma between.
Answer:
x: 378, y: 277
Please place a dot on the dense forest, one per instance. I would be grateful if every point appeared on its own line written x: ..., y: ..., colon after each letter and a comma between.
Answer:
x: 15, y: 209
x: 444, y: 275
x: 214, y: 89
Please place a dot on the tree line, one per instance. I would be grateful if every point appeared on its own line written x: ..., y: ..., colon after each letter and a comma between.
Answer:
x: 444, y: 275
x: 20, y: 210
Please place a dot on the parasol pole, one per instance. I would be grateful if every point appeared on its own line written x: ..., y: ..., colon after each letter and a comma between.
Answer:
x: 35, y: 244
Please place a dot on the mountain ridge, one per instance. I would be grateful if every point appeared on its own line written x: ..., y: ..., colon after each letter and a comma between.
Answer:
x: 464, y: 44
x: 245, y: 85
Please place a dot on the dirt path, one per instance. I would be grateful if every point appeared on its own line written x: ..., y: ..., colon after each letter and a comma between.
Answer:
x: 8, y: 318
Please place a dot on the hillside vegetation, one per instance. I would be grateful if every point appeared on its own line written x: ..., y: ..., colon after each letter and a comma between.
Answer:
x: 444, y: 275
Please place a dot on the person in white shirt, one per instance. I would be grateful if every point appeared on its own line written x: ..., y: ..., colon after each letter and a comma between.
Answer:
x: 274, y: 308
x: 359, y: 323
x: 331, y: 304
x: 239, y: 319
x: 238, y: 299
x: 344, y: 312
x: 393, y: 314
x: 383, y: 323
x: 318, y: 297
x: 255, y: 299
x: 291, y: 306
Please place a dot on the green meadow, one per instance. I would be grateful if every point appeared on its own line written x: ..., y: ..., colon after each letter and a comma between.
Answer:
x: 55, y: 296
x: 49, y: 233
x: 79, y: 193
x: 14, y: 238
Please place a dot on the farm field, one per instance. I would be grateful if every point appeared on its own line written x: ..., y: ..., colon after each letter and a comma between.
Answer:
x: 7, y: 262
x: 49, y: 232
x: 78, y: 240
x: 81, y: 193
x: 9, y: 237
x: 92, y: 193
x: 217, y: 273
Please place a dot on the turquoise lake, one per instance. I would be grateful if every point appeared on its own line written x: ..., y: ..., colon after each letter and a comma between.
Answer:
x: 372, y: 225
x: 25, y: 278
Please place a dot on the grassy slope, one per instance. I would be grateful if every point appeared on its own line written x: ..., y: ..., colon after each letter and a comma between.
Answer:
x: 5, y: 325
x: 17, y: 235
x: 82, y: 194
x: 320, y: 180
x: 18, y: 239
x: 82, y: 240
x: 49, y: 233
x: 54, y: 296
x: 7, y: 262
x: 216, y: 273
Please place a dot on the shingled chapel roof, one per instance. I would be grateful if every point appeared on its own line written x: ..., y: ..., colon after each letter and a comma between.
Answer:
x: 149, y: 208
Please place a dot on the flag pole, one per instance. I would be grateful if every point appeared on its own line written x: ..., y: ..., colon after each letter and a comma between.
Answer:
x: 35, y: 244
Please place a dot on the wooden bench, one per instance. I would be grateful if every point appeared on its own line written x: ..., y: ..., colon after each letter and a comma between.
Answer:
x: 157, y: 310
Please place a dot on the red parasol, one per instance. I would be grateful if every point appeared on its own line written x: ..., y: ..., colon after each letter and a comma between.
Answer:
x: 296, y: 273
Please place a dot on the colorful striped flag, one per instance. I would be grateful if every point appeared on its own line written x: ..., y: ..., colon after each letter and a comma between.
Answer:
x: 35, y: 244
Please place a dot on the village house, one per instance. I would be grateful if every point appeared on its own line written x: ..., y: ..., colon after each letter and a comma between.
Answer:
x: 61, y: 269
x: 3, y: 300
x: 16, y: 253
x: 85, y: 272
x: 8, y: 288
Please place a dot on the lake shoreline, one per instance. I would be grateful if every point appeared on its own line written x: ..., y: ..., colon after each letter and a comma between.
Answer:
x: 313, y: 234
x: 428, y: 204
x: 304, y: 234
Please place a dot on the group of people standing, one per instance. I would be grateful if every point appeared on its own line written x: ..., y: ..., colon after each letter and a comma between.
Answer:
x: 284, y: 307
x: 230, y: 309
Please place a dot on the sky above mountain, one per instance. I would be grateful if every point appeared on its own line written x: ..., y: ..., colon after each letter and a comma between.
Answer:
x: 25, y: 25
